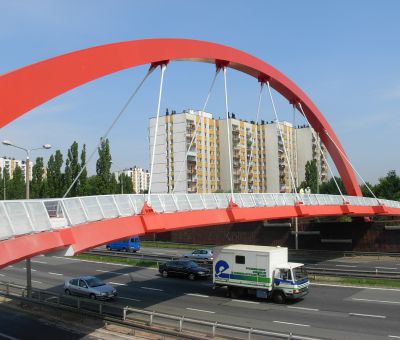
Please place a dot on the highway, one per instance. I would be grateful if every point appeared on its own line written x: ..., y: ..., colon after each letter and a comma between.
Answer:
x: 329, y: 311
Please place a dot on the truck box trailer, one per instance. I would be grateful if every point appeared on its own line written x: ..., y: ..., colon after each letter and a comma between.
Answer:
x: 263, y: 271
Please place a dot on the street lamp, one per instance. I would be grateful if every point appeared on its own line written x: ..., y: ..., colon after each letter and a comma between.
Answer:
x: 28, y: 153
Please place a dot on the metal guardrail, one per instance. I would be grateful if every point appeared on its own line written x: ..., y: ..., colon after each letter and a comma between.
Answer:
x: 19, y: 217
x: 157, y: 322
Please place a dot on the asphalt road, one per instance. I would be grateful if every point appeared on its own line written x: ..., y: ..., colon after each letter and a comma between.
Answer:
x: 329, y: 311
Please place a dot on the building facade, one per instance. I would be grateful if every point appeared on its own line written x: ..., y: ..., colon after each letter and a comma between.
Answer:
x: 9, y: 164
x: 140, y: 178
x: 193, y: 154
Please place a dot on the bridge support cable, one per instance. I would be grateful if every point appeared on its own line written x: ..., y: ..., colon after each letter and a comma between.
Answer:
x: 218, y: 69
x: 352, y: 166
x: 118, y: 116
x: 163, y: 68
x: 283, y: 143
x: 228, y: 130
x: 321, y: 151
x: 254, y: 136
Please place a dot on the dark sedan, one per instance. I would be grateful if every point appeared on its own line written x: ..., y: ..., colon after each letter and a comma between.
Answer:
x: 184, y: 268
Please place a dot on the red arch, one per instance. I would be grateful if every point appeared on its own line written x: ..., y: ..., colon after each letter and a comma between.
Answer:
x: 24, y: 89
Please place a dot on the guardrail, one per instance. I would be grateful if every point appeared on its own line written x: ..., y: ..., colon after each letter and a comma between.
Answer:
x: 133, y: 317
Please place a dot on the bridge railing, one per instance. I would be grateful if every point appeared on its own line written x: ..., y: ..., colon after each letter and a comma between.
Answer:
x: 21, y: 217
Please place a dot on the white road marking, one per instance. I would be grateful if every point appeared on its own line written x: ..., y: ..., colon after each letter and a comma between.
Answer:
x: 244, y: 301
x: 386, y: 268
x: 369, y: 315
x: 197, y: 295
x: 2, y: 275
x: 294, y: 324
x: 118, y: 284
x: 56, y: 274
x: 304, y: 308
x: 394, y: 336
x: 32, y: 270
x: 126, y: 298
x: 8, y: 337
x: 37, y: 281
x: 150, y: 288
x: 345, y: 265
x: 200, y: 310
x: 106, y: 271
x: 35, y: 261
x: 368, y: 300
x: 357, y: 287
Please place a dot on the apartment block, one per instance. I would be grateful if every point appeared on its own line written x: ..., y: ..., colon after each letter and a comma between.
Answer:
x: 9, y: 165
x: 263, y: 157
x: 140, y: 178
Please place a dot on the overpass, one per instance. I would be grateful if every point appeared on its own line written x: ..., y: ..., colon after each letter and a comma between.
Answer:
x: 72, y: 225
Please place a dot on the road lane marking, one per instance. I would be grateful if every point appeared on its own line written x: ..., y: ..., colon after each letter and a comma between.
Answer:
x: 345, y: 265
x: 126, y: 298
x: 394, y: 336
x: 368, y: 300
x: 197, y: 295
x: 56, y: 274
x: 118, y: 284
x: 304, y: 308
x: 36, y: 261
x: 294, y: 324
x: 369, y: 315
x: 8, y: 337
x: 357, y: 287
x: 37, y: 281
x: 244, y: 301
x: 32, y: 270
x: 386, y: 268
x: 200, y: 310
x: 2, y: 275
x: 150, y: 288
x: 106, y: 271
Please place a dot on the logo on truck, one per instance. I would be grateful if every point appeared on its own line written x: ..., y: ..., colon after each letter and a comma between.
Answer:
x: 220, y: 268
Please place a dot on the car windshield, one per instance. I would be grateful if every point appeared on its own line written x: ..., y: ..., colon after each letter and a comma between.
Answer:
x: 300, y: 273
x: 95, y: 282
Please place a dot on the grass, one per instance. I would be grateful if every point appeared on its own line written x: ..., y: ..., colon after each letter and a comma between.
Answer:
x: 133, y: 262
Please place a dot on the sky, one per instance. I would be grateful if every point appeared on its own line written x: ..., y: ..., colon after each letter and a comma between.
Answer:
x: 345, y: 55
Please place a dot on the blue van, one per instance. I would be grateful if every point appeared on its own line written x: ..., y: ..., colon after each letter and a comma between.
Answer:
x: 131, y: 244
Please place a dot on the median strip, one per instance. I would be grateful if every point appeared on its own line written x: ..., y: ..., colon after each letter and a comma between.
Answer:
x: 291, y: 323
x: 126, y: 298
x: 369, y: 315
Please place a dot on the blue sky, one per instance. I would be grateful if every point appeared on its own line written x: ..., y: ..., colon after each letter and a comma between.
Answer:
x: 344, y: 54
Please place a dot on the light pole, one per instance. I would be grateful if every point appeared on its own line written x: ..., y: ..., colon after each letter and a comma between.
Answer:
x: 28, y: 153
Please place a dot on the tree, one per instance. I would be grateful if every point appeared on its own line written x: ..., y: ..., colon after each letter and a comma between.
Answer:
x: 125, y: 184
x: 330, y: 187
x: 16, y: 188
x: 38, y: 185
x: 311, y: 176
x: 103, y: 167
x: 83, y: 179
x: 55, y: 178
x: 72, y: 169
x: 389, y: 186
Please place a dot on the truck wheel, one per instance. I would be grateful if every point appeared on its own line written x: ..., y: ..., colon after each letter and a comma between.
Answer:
x: 236, y: 292
x: 279, y: 297
x: 92, y: 296
x: 164, y: 273
x: 67, y: 291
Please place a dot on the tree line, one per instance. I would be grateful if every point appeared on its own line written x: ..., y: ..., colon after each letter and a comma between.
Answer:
x: 388, y: 187
x: 56, y: 178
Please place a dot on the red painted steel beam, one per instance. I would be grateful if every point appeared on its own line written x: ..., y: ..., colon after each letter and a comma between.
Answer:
x: 28, y: 87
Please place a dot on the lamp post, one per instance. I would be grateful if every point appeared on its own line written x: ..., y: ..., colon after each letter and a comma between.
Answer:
x: 28, y: 153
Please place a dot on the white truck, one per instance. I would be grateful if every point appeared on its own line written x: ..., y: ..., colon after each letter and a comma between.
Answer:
x: 262, y: 271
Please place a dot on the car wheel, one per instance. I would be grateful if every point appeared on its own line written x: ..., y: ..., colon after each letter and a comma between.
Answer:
x: 164, y: 273
x: 92, y: 296
x: 123, y: 249
x: 279, y: 297
x: 67, y: 291
x: 108, y: 248
x: 192, y: 277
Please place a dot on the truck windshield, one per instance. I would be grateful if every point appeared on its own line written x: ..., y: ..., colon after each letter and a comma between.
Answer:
x: 299, y: 273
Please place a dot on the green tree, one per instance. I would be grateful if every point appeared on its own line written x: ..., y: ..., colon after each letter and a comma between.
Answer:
x: 311, y: 176
x: 124, y: 184
x: 330, y: 187
x: 38, y: 185
x: 104, y: 183
x: 389, y: 186
x: 72, y: 169
x: 55, y: 178
x: 16, y: 187
x: 83, y: 179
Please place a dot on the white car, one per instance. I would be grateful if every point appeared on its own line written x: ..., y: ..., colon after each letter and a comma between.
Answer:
x: 200, y: 254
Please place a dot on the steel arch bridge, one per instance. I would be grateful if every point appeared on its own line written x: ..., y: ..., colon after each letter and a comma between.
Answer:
x: 28, y: 228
